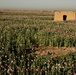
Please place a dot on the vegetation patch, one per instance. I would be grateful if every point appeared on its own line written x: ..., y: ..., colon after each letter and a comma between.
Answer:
x: 33, y: 44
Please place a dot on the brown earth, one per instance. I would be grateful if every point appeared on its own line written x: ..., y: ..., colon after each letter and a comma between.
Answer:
x: 28, y: 11
x: 54, y: 51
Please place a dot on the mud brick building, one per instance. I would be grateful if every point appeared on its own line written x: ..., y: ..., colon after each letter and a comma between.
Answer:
x: 64, y: 15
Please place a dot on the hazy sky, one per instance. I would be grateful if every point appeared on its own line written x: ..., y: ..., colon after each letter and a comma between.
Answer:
x: 38, y: 4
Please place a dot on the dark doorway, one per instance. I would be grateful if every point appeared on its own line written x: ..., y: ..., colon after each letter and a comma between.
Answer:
x: 64, y: 17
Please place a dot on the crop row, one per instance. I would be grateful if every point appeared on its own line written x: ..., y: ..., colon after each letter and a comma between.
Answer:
x: 23, y: 63
x: 21, y: 37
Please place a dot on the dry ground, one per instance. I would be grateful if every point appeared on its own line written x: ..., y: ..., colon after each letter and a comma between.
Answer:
x: 54, y: 51
x: 29, y: 11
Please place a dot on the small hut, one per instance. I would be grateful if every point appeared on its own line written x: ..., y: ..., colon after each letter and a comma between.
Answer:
x: 64, y: 15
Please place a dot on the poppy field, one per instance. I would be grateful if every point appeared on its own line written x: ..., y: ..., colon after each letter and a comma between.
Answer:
x: 21, y: 33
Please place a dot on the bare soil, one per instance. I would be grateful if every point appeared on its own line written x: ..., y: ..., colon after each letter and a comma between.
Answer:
x: 54, y: 51
x: 29, y: 11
